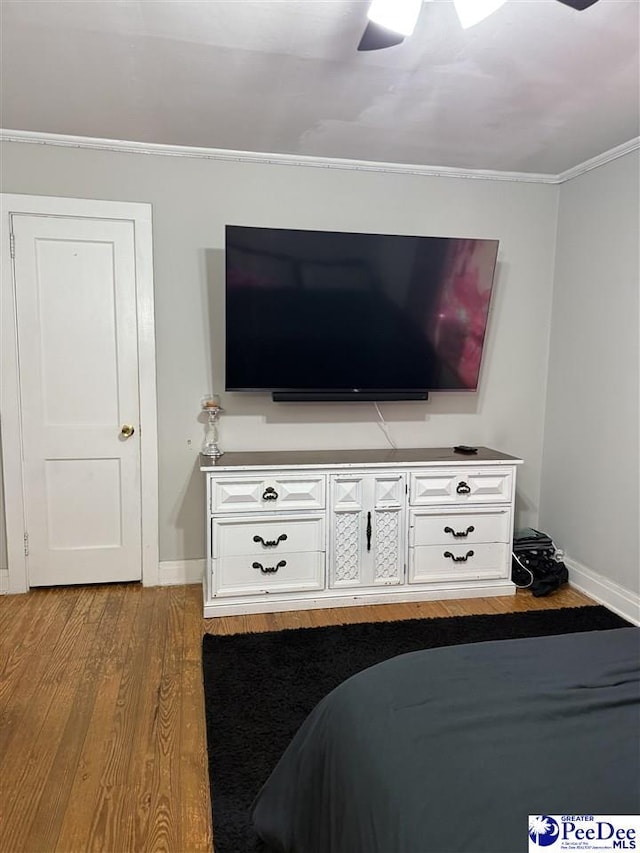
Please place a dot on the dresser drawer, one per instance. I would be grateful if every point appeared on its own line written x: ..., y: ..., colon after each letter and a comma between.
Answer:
x: 459, y: 527
x: 267, y: 494
x: 438, y: 563
x: 461, y: 486
x: 258, y: 536
x: 270, y: 573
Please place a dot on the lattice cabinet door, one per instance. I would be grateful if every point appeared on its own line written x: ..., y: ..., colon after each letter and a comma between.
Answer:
x: 367, y: 540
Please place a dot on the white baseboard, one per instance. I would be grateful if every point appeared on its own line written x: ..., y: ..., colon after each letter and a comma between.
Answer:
x: 622, y: 601
x: 170, y: 573
x: 173, y: 573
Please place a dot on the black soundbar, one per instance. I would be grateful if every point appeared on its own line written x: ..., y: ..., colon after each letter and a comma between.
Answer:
x: 347, y: 396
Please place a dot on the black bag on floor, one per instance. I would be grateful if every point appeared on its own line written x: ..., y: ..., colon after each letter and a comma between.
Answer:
x: 533, y: 563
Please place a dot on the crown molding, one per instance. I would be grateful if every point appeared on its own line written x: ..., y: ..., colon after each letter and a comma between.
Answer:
x: 600, y: 160
x: 228, y: 155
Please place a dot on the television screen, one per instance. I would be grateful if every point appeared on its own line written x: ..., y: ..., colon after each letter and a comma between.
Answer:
x: 321, y: 312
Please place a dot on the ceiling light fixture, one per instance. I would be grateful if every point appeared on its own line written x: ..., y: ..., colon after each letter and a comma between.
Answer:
x: 391, y: 21
x: 472, y: 12
x: 399, y: 16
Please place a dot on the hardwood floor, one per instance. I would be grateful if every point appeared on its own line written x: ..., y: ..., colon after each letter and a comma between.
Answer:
x: 102, y: 736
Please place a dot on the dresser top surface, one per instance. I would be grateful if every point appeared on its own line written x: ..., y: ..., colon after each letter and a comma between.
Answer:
x: 328, y: 458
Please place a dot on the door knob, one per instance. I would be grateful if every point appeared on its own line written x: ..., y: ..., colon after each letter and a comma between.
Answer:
x: 127, y: 430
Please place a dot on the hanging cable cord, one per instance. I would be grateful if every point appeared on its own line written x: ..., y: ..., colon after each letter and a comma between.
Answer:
x: 384, y: 427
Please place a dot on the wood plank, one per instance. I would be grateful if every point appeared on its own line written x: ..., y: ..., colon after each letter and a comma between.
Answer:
x: 76, y: 819
x: 13, y: 612
x: 195, y: 802
x: 122, y: 795
x: 193, y: 624
x: 164, y: 743
x: 49, y: 711
x: 48, y: 815
x: 195, y: 832
x: 27, y: 689
x: 142, y: 772
x: 468, y: 607
x: 23, y: 633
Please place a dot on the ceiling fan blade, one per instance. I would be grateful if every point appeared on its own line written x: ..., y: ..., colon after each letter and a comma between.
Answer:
x: 376, y: 37
x: 578, y: 4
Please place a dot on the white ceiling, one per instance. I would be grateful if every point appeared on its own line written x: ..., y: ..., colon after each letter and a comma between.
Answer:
x: 537, y: 87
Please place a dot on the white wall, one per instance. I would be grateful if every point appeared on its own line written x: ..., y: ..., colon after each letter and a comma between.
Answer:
x: 3, y: 533
x: 591, y: 466
x: 193, y: 199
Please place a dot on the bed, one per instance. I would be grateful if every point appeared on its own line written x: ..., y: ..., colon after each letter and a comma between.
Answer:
x: 451, y: 749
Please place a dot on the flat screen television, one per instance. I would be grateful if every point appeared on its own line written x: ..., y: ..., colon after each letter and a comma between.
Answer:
x: 326, y: 315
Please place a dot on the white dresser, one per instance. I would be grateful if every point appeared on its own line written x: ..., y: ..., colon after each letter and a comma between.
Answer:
x: 300, y: 529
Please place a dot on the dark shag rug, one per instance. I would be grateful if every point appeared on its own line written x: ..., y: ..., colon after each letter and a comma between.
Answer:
x: 259, y: 688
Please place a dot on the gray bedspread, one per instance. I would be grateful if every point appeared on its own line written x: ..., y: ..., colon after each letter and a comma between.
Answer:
x: 451, y: 749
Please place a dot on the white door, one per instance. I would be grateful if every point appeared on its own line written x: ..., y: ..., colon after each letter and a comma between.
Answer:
x: 368, y: 535
x: 78, y: 364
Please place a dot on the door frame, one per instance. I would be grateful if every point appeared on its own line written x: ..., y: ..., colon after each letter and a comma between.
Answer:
x: 140, y: 215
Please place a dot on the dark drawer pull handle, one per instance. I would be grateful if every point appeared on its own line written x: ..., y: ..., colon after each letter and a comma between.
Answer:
x: 460, y: 534
x: 462, y: 488
x: 271, y: 543
x: 270, y: 494
x: 269, y: 570
x: 369, y: 531
x: 459, y: 559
